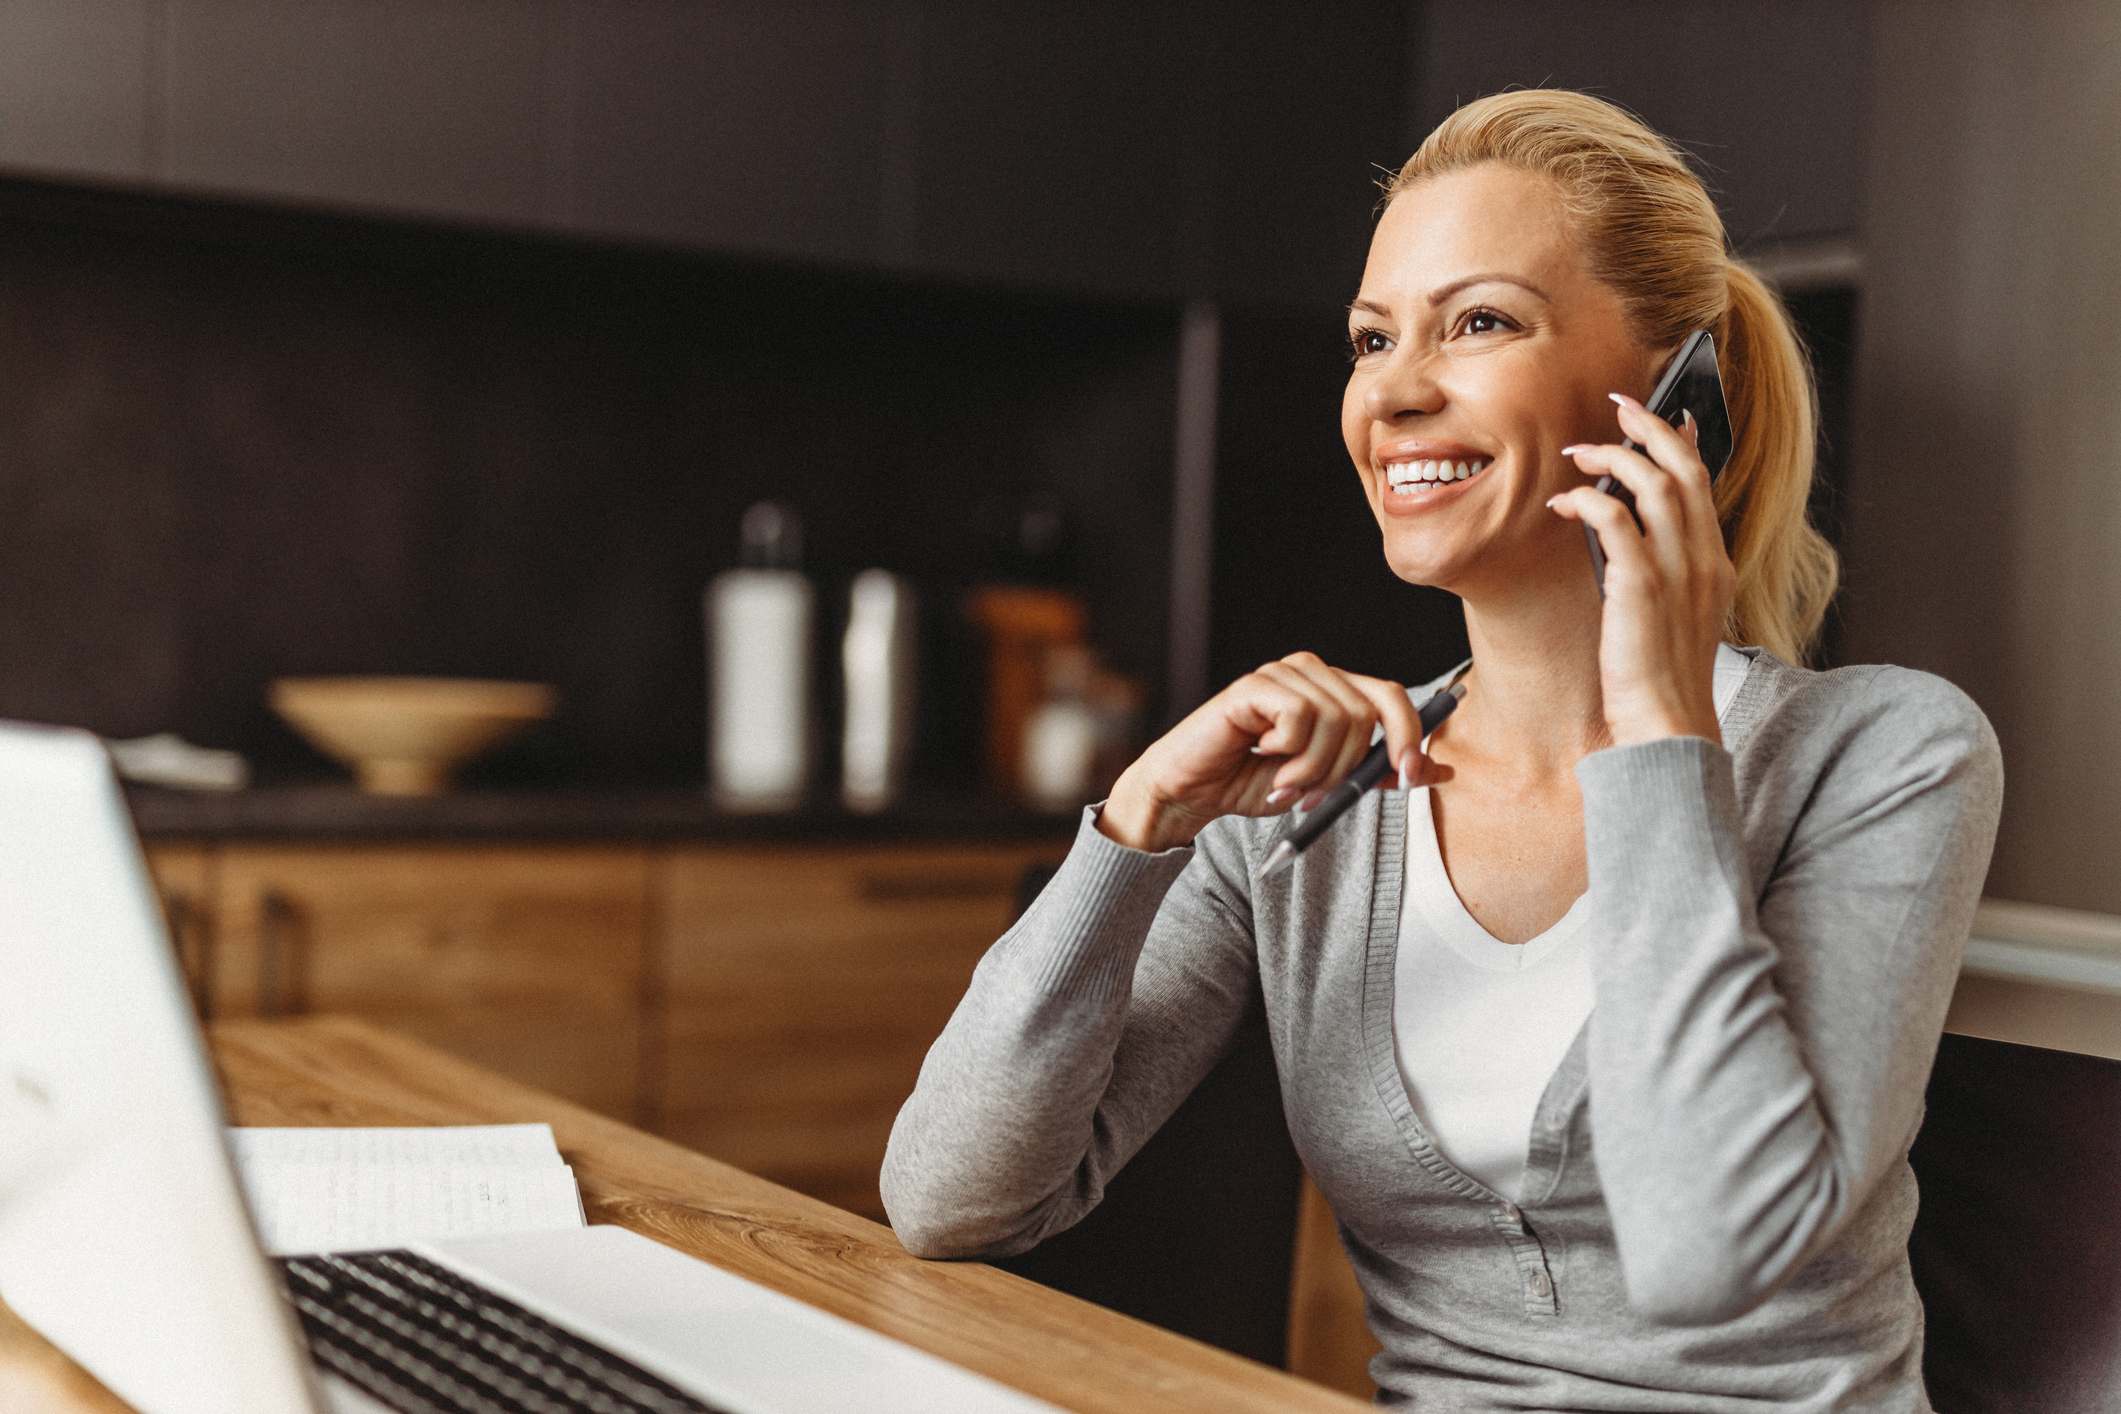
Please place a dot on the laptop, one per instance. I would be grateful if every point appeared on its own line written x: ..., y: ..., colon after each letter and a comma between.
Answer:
x: 125, y: 1239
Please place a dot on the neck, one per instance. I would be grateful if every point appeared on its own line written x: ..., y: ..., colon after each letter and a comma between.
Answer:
x: 1533, y: 704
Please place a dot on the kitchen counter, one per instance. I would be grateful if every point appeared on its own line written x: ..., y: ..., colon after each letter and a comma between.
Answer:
x: 327, y: 812
x: 2033, y: 974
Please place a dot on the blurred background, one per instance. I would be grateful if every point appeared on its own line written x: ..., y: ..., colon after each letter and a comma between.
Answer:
x: 414, y: 338
x: 457, y: 337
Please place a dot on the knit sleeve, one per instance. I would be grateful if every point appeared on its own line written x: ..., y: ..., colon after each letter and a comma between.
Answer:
x: 1083, y: 1029
x: 1759, y: 1049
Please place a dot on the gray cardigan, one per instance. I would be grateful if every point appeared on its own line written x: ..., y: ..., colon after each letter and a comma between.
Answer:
x: 1717, y: 1190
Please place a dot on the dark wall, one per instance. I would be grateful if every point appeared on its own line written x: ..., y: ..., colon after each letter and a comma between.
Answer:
x: 238, y: 445
x: 1987, y: 424
x: 1771, y: 101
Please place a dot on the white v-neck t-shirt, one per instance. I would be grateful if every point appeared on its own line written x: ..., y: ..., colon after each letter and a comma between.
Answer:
x: 1480, y: 1025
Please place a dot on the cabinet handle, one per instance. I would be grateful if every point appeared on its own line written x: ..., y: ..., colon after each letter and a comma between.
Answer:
x: 911, y: 888
x: 282, y: 958
x: 194, y: 942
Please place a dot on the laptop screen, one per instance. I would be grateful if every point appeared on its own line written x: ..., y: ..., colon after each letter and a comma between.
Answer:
x: 123, y: 1235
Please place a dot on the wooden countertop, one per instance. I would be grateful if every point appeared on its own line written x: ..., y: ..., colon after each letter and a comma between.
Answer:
x: 332, y: 1071
x: 320, y: 813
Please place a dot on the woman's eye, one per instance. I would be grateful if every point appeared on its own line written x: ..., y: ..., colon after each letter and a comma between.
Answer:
x: 1473, y: 316
x: 1367, y: 341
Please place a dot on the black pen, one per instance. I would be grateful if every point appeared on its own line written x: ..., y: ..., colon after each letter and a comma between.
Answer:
x: 1310, y: 824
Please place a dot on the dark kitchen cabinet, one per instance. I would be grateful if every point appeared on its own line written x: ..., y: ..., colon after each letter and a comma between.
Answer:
x: 756, y: 126
x: 1104, y: 148
x: 1107, y: 149
x: 389, y: 105
x: 1061, y: 146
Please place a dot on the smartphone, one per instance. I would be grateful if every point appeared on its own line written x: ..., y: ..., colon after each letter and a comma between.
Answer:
x: 1690, y: 383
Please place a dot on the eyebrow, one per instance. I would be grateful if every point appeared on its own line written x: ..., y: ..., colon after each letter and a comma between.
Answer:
x: 1437, y: 297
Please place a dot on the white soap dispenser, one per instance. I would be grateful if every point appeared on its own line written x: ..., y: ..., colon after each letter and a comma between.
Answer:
x: 759, y: 626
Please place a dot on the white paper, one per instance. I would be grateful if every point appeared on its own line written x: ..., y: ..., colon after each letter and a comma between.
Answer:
x: 487, y: 1144
x: 348, y: 1190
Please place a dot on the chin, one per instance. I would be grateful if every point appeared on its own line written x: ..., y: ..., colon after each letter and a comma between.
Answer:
x: 1422, y: 566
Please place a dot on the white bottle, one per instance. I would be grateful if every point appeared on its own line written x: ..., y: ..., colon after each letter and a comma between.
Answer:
x: 759, y: 620
x: 1062, y: 737
x: 878, y: 659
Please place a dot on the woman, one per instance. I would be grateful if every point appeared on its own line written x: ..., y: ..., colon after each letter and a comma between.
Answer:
x: 1694, y: 1196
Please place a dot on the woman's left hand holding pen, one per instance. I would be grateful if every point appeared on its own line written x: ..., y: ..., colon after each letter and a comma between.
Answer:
x: 1669, y: 585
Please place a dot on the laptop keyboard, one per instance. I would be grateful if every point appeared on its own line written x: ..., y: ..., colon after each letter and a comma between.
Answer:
x: 420, y: 1337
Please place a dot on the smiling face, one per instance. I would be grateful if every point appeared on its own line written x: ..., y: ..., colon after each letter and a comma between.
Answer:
x: 1481, y: 344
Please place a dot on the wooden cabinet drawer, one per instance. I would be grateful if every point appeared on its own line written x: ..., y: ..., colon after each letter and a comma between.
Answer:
x: 525, y: 959
x: 801, y: 989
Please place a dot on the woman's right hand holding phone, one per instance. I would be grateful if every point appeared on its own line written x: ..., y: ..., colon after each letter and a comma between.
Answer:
x: 1282, y: 733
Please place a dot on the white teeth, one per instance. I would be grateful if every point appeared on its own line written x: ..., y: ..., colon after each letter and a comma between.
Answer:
x: 1401, y: 474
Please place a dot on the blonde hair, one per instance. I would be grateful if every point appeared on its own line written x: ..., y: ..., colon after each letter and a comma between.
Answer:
x: 1651, y: 232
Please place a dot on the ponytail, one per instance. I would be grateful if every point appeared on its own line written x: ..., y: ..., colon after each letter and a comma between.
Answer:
x: 1787, y: 572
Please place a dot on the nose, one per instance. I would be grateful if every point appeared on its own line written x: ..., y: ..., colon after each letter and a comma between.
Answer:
x: 1403, y: 387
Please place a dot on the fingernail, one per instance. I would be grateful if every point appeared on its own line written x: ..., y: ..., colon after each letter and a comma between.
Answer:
x: 1404, y: 758
x: 1573, y: 448
x: 1276, y: 797
x: 1622, y: 398
x: 1551, y: 500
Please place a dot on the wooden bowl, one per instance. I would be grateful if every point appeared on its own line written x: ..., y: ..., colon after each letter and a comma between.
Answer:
x: 405, y: 736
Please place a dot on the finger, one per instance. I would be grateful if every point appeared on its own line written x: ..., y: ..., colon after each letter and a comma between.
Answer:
x: 1678, y: 452
x: 1428, y: 772
x: 1325, y: 726
x: 1362, y: 715
x: 1696, y: 485
x: 1666, y: 445
x: 1358, y: 715
x: 1628, y: 562
x: 1402, y: 724
x: 1665, y: 522
x: 1277, y: 718
x: 1423, y: 772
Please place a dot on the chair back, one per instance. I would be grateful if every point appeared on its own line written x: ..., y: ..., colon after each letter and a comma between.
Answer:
x: 2017, y: 1244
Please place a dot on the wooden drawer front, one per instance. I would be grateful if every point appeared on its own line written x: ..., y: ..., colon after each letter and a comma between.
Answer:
x: 525, y: 959
x: 802, y: 989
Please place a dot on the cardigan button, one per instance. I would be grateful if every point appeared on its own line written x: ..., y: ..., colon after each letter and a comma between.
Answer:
x: 1542, y: 1286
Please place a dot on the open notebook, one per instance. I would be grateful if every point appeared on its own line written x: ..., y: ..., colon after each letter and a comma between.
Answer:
x: 350, y: 1190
